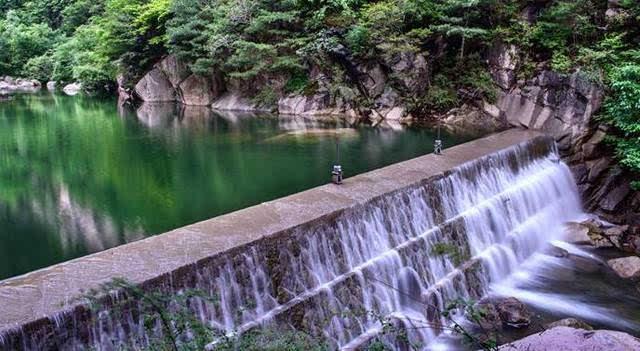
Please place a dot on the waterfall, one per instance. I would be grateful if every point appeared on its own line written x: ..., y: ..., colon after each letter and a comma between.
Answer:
x: 398, y: 258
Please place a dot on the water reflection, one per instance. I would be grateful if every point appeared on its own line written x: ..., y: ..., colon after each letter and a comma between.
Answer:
x: 79, y: 174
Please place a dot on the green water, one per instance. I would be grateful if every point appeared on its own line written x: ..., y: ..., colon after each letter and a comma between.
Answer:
x: 79, y: 175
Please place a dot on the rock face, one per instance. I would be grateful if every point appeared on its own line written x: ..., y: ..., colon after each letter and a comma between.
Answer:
x: 175, y: 71
x: 72, y: 89
x: 626, y: 267
x: 503, y: 60
x: 155, y: 87
x: 10, y: 84
x: 317, y: 104
x: 376, y: 81
x: 197, y: 91
x: 571, y: 339
x: 233, y: 101
x: 171, y: 80
x: 564, y: 106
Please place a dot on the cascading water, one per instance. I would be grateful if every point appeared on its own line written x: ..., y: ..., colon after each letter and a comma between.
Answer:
x: 400, y: 257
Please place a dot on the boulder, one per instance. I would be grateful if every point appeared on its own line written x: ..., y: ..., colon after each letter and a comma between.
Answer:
x: 51, y: 85
x: 487, y: 317
x: 198, y: 91
x: 571, y: 323
x: 604, y: 235
x: 626, y: 267
x: 155, y: 87
x: 572, y: 339
x: 513, y: 313
x: 577, y: 233
x: 10, y: 84
x: 72, y: 89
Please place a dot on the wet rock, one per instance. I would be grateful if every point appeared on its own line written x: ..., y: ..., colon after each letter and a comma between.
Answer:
x: 577, y: 233
x: 555, y: 251
x: 626, y: 267
x: 487, y: 317
x: 72, y: 89
x: 585, y: 264
x: 513, y: 313
x: 155, y: 87
x: 571, y: 339
x: 604, y: 235
x: 571, y: 323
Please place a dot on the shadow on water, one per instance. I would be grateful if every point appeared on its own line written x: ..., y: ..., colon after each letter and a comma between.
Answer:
x: 81, y: 174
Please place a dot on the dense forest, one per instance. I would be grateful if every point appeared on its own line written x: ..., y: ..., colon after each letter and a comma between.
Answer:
x: 92, y: 41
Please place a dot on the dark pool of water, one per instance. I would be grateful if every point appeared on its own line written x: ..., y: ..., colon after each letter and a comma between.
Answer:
x: 80, y: 175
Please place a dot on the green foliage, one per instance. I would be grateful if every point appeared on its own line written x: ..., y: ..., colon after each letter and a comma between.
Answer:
x: 82, y: 40
x: 267, y: 96
x: 449, y: 250
x: 297, y: 83
x: 622, y: 111
x: 561, y: 63
x: 39, y: 67
x: 358, y: 39
x: 22, y: 41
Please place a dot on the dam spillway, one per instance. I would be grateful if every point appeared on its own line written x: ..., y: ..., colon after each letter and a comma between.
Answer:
x: 371, y: 245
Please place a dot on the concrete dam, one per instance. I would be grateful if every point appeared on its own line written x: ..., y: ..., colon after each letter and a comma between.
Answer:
x: 369, y: 244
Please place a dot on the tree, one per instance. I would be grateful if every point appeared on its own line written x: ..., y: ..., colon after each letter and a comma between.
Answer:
x: 622, y: 111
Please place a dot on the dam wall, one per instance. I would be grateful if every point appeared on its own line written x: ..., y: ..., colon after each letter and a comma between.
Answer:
x: 400, y: 241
